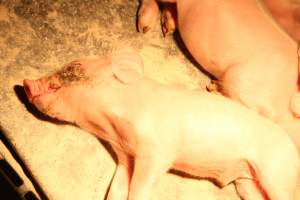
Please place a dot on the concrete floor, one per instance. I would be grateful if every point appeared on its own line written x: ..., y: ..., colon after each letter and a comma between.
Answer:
x: 37, y: 37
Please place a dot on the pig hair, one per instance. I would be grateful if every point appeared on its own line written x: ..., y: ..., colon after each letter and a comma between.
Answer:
x: 72, y: 73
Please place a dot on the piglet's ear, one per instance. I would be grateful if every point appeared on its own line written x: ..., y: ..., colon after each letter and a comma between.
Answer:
x: 127, y: 65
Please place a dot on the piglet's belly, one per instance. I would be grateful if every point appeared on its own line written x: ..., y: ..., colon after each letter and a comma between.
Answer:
x: 201, y: 158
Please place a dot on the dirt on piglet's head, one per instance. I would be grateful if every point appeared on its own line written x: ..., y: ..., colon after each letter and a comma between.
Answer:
x: 72, y: 73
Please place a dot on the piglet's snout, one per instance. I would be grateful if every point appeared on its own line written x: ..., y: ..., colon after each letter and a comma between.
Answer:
x: 32, y: 89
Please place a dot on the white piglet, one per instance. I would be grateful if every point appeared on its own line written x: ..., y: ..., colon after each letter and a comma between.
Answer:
x: 154, y: 127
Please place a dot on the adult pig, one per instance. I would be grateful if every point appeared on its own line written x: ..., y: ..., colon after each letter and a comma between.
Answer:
x: 153, y: 128
x: 285, y: 12
x: 253, y: 59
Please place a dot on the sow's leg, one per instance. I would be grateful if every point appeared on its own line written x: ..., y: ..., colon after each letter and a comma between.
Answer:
x: 168, y: 18
x: 147, y: 14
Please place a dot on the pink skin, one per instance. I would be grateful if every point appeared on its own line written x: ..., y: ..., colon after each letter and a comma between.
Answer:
x: 153, y: 128
x: 149, y: 10
x: 287, y: 14
x: 254, y: 61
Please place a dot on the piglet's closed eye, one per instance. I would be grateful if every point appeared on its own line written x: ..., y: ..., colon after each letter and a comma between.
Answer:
x: 127, y: 65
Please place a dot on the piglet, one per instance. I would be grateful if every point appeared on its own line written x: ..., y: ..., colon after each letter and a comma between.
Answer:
x: 154, y: 127
x: 237, y: 41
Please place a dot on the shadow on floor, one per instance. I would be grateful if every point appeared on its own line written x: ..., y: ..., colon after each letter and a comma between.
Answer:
x: 20, y: 93
x: 10, y: 181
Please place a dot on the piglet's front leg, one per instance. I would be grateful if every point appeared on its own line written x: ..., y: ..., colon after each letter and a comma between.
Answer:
x: 120, y: 183
x: 147, y: 169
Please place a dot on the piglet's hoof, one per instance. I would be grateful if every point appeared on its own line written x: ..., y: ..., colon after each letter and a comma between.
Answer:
x: 168, y: 19
x: 147, y: 14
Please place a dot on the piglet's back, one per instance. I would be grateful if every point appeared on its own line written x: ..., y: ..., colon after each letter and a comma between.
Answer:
x: 208, y: 117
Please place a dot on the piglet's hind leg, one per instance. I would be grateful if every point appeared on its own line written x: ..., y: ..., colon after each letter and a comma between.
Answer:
x: 242, y: 174
x: 245, y: 180
x: 248, y: 190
